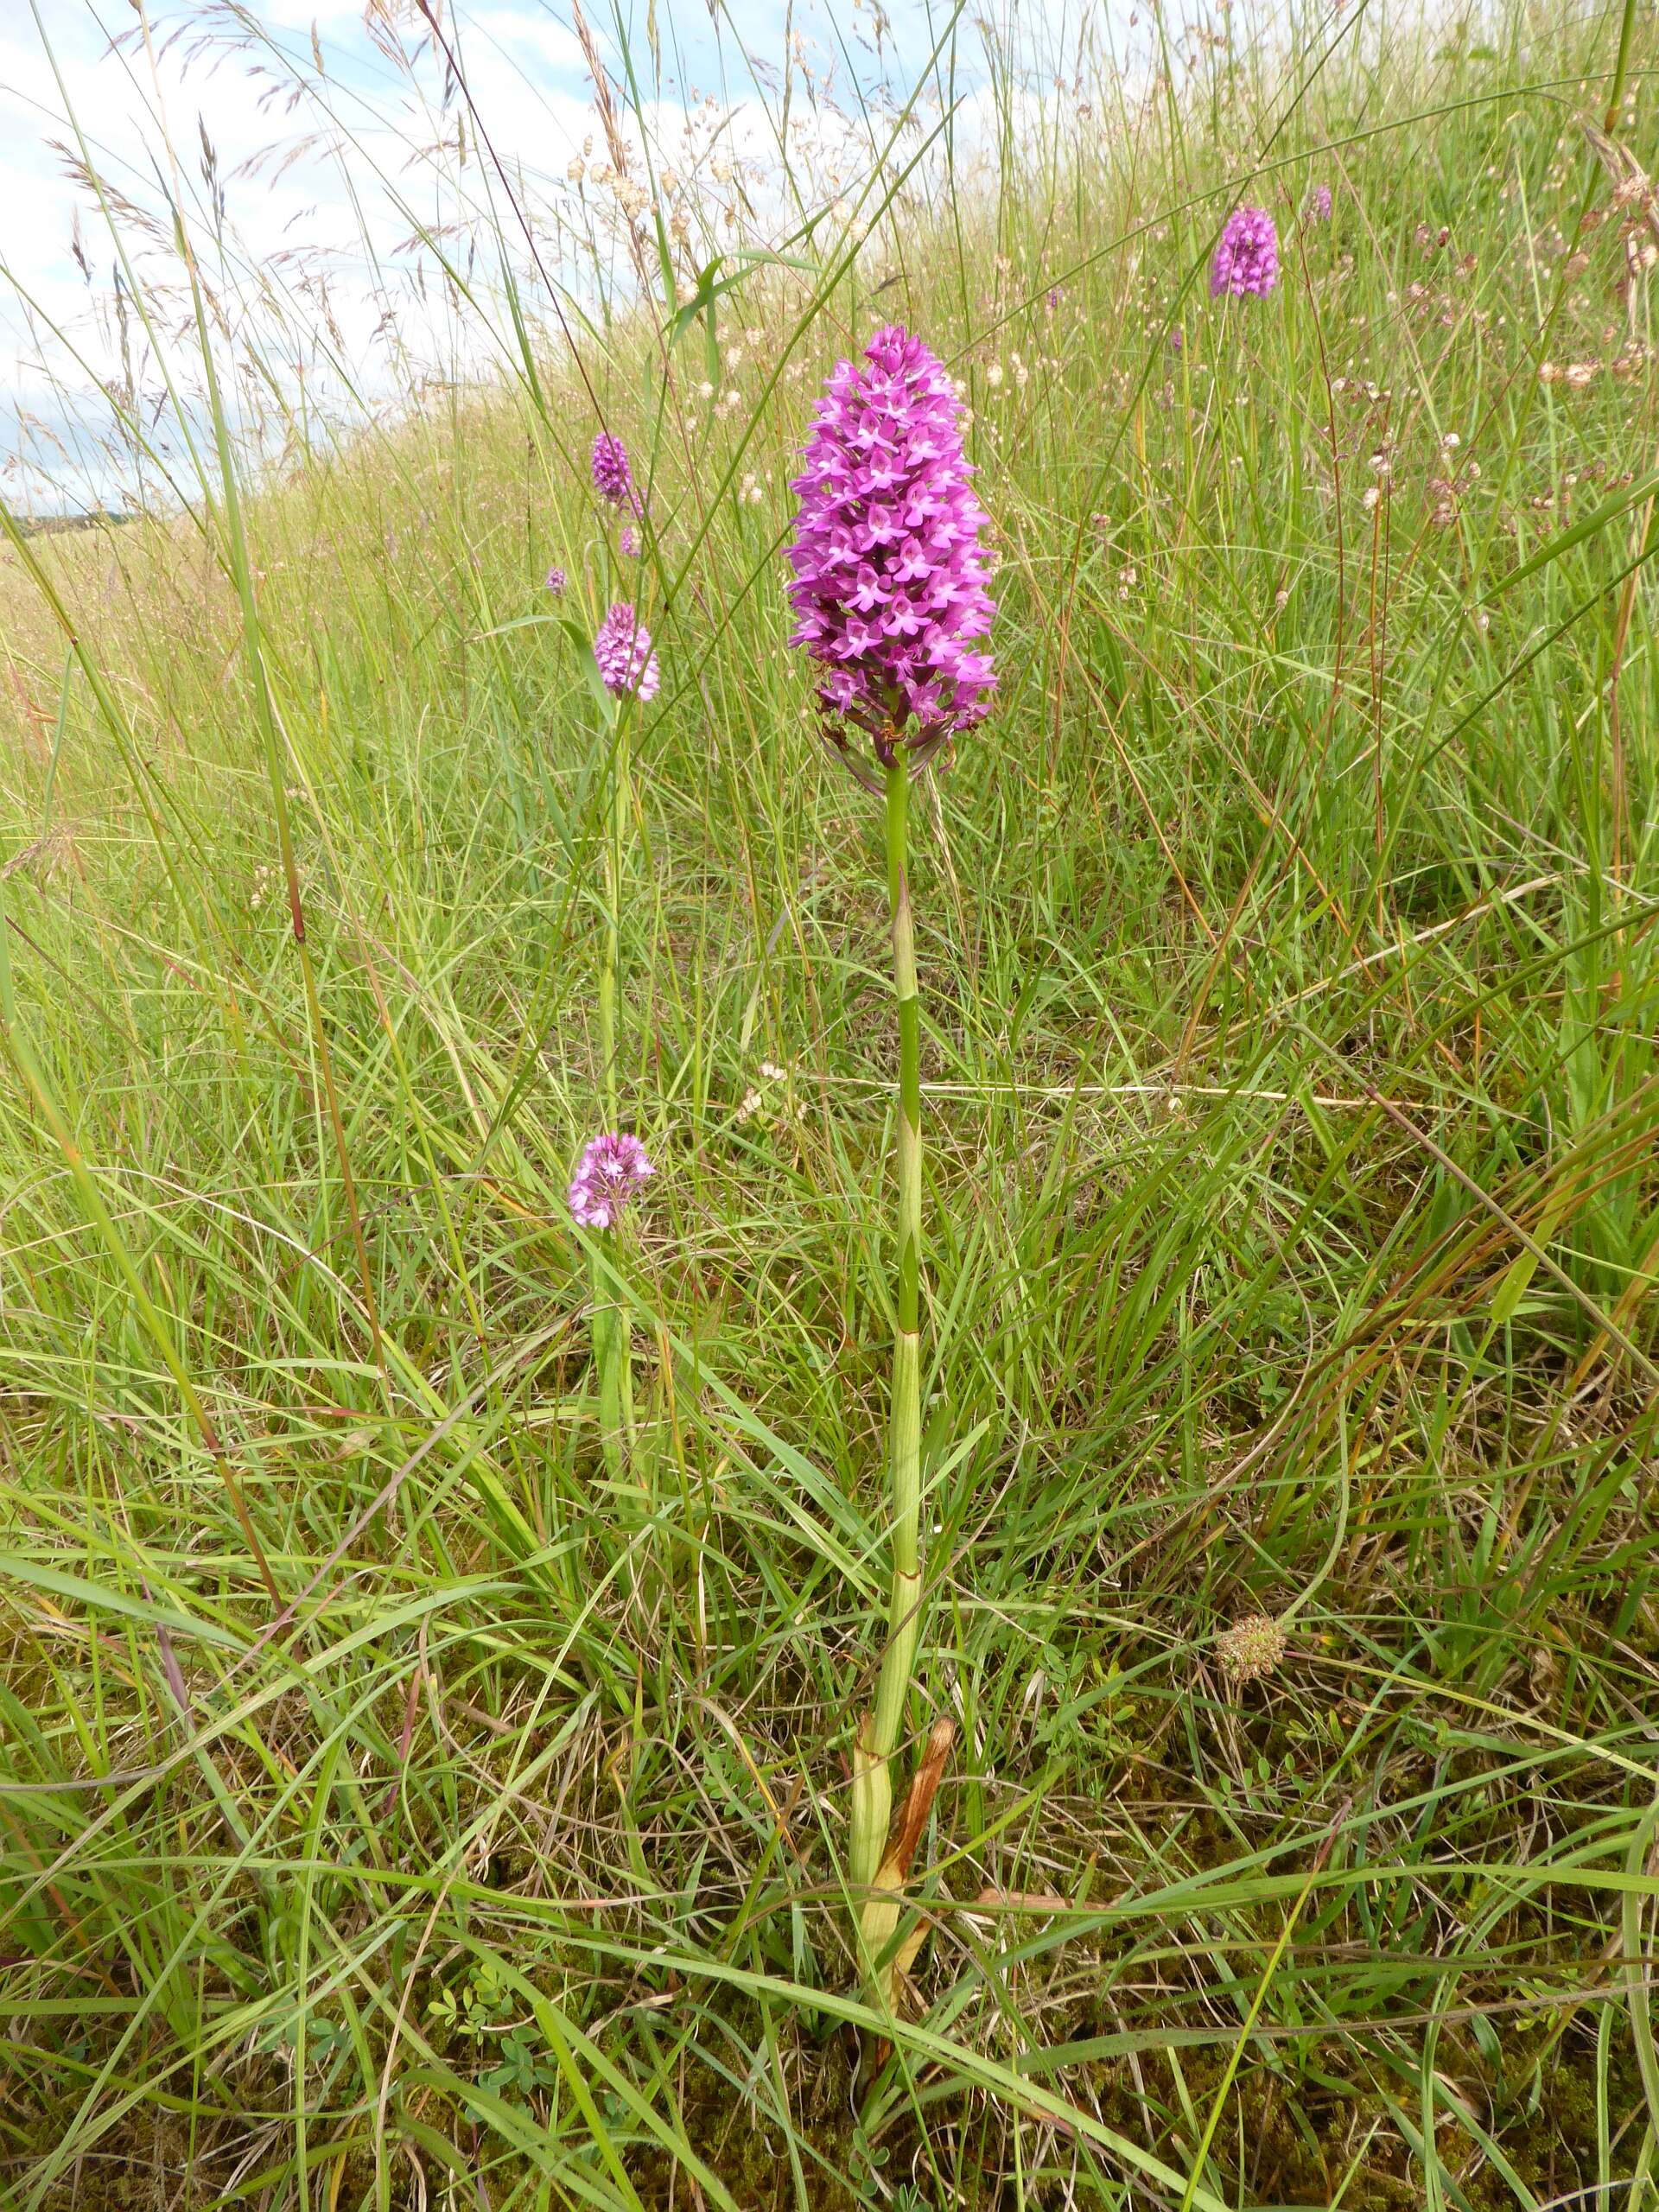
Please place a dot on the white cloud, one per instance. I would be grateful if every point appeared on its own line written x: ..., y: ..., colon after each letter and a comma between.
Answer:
x: 325, y: 178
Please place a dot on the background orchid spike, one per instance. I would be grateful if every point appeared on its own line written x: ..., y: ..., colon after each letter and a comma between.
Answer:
x: 890, y: 575
x: 612, y: 1168
x: 627, y: 665
x: 1247, y: 256
x: 613, y: 477
x: 557, y: 582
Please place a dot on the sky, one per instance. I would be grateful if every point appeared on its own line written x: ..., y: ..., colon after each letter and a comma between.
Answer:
x: 327, y: 132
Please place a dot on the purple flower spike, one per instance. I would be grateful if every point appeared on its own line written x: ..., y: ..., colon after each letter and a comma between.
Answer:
x: 557, y: 582
x: 630, y: 544
x: 1319, y: 204
x: 611, y: 1169
x: 612, y: 478
x: 622, y: 648
x: 890, y: 575
x: 1247, y: 259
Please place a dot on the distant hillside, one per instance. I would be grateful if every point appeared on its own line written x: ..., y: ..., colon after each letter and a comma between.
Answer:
x: 57, y: 525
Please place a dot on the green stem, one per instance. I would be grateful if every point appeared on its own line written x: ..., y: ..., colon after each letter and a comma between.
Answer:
x: 879, y: 1738
x: 612, y: 1322
x: 617, y: 832
x: 1621, y: 66
x: 613, y: 1334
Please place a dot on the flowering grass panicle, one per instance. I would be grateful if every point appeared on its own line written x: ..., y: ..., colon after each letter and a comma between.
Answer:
x: 889, y: 589
x: 1246, y: 258
x: 556, y: 581
x: 612, y: 1168
x: 627, y: 667
x: 612, y: 478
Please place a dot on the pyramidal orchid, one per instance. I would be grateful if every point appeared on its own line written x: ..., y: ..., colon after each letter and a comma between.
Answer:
x: 889, y: 589
x: 613, y: 477
x: 627, y: 667
x: 613, y: 1167
x: 891, y: 601
x: 1247, y: 255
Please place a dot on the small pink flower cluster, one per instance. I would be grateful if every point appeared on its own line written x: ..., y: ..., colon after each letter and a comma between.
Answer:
x: 1247, y: 258
x: 613, y: 477
x: 612, y: 1168
x: 627, y: 667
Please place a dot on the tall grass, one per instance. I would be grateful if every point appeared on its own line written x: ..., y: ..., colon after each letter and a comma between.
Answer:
x: 391, y: 1813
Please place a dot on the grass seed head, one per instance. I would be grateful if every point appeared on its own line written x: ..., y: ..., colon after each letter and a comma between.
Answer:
x: 1251, y: 1648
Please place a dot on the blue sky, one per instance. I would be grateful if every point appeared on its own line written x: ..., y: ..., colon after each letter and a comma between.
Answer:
x: 312, y: 213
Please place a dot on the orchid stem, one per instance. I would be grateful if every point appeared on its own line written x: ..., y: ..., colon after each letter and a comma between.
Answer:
x: 612, y: 1322
x: 880, y: 1736
x: 616, y: 830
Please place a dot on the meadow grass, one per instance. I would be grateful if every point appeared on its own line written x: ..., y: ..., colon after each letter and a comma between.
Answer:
x: 404, y: 1801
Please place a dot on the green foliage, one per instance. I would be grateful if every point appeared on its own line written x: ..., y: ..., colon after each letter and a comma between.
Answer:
x: 1289, y: 1099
